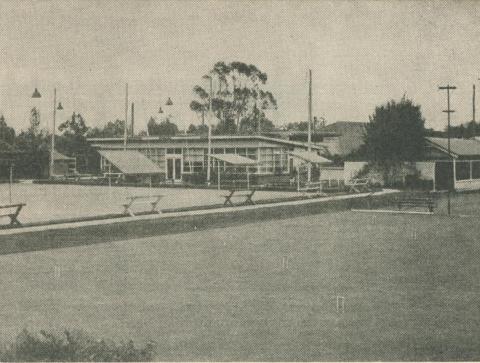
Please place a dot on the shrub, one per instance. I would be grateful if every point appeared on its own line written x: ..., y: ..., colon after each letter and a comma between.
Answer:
x: 73, y: 346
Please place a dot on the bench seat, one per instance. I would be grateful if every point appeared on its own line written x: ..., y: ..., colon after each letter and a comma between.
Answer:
x: 151, y: 200
x: 246, y: 194
x: 417, y: 202
x: 12, y: 211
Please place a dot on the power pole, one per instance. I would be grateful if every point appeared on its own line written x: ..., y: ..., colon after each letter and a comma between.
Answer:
x: 309, y: 176
x: 448, y: 111
x: 473, y: 106
x: 125, y: 131
x: 52, y: 146
x: 210, y: 118
x: 133, y: 119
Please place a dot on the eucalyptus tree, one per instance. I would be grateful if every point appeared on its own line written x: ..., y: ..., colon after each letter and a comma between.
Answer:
x: 237, y: 93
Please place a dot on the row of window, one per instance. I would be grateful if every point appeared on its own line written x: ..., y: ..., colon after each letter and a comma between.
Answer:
x: 465, y: 170
x: 271, y: 160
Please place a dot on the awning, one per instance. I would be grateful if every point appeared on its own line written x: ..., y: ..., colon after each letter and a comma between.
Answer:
x: 234, y: 159
x: 310, y: 157
x: 58, y: 156
x: 130, y: 162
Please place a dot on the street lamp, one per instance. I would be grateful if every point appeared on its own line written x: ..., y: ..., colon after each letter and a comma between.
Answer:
x: 56, y: 107
x: 36, y: 94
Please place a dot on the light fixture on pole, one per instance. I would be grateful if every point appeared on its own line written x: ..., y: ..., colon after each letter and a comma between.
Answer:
x: 56, y: 107
x: 36, y: 94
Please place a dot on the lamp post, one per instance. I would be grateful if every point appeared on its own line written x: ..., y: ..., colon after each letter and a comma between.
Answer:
x: 56, y: 107
x: 210, y: 119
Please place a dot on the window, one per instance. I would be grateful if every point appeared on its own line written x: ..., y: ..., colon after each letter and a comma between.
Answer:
x: 193, y: 160
x: 475, y: 169
x: 462, y: 170
x: 251, y: 153
x: 171, y: 150
x: 156, y: 155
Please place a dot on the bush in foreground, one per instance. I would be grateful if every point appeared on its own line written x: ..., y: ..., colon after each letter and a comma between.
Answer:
x: 73, y: 346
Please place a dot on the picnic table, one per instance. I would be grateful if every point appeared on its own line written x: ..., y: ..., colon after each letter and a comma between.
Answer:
x: 312, y: 187
x: 151, y: 200
x: 359, y: 185
x: 238, y: 193
x: 12, y: 211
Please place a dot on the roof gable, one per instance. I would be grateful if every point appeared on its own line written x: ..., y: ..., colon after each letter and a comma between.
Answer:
x: 458, y: 147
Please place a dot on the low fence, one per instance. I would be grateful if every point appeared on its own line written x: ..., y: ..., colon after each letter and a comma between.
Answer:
x: 24, y: 241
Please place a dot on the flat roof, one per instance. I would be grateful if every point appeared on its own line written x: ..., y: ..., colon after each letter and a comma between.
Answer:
x: 205, y: 138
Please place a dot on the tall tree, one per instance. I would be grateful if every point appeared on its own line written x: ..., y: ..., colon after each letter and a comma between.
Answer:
x: 74, y: 143
x: 255, y: 122
x: 34, y: 128
x: 395, y: 134
x: 238, y: 91
x: 7, y: 134
x: 34, y: 146
x: 164, y: 128
x: 111, y: 129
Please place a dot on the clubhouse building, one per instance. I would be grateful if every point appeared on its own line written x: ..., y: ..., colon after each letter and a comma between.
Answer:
x: 184, y: 159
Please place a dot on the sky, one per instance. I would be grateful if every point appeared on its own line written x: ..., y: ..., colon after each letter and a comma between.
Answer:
x: 362, y: 54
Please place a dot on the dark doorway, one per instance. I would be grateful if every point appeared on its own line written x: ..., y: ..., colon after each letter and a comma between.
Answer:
x: 444, y: 175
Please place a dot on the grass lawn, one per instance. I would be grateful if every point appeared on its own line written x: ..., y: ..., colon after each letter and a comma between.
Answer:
x: 55, y: 201
x: 410, y: 283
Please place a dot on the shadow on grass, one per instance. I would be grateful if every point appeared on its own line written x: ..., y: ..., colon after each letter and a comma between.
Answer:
x: 73, y: 346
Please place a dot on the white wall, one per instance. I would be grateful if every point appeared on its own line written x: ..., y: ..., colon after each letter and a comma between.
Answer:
x: 469, y: 184
x: 351, y: 168
x: 426, y: 169
x: 331, y: 173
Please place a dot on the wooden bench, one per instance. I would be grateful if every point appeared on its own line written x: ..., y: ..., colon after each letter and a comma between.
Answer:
x: 359, y: 185
x: 152, y: 200
x: 427, y: 202
x: 312, y: 187
x: 12, y: 211
x: 338, y: 186
x: 234, y: 193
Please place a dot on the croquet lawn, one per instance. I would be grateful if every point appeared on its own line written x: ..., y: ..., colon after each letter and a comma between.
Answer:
x: 410, y: 283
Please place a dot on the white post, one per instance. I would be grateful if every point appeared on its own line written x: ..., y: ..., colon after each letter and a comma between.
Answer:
x: 298, y: 178
x: 10, y: 184
x: 454, y: 175
x: 209, y: 152
x: 210, y: 118
x: 218, y: 174
x: 109, y: 175
x: 309, y: 171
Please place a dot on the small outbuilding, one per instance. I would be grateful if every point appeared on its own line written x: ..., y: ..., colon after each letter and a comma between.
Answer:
x: 458, y: 169
x: 63, y: 165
